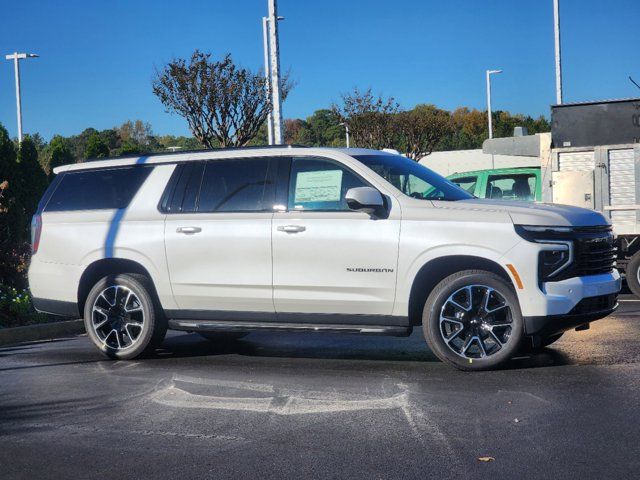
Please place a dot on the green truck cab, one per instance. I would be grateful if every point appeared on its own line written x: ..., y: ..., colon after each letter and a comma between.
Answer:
x: 522, y: 183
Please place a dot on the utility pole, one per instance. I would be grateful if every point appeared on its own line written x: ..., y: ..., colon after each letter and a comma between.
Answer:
x: 274, y: 51
x: 16, y: 57
x: 267, y: 74
x: 556, y: 30
x: 489, y: 73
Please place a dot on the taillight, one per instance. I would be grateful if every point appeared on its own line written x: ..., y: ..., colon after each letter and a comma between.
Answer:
x: 36, y: 230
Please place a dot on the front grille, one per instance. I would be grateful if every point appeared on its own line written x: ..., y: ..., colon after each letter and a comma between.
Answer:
x: 594, y: 254
x: 594, y: 304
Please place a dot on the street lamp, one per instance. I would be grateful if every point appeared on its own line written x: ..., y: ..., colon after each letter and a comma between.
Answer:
x: 556, y: 37
x: 16, y: 57
x: 489, y: 73
x: 346, y: 128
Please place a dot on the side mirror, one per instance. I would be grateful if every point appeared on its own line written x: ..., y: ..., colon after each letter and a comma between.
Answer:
x: 365, y: 199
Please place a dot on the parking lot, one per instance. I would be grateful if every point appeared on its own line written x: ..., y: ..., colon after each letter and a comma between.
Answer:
x: 323, y: 406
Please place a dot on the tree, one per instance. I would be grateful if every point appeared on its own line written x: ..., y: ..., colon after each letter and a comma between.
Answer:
x: 223, y: 104
x: 137, y: 132
x: 370, y: 119
x: 30, y: 183
x: 96, y: 147
x: 421, y: 129
x: 55, y: 154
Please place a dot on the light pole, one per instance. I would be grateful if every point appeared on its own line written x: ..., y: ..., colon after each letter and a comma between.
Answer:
x: 346, y: 129
x: 556, y: 31
x: 267, y: 75
x: 274, y: 52
x: 489, y: 73
x: 16, y: 57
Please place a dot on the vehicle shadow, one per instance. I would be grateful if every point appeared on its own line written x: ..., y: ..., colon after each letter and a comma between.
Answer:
x: 326, y: 346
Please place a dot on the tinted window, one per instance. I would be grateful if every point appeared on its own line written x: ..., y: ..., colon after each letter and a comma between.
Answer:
x: 320, y: 185
x: 512, y: 187
x: 186, y: 186
x: 411, y: 178
x: 466, y: 183
x: 97, y: 189
x: 242, y: 185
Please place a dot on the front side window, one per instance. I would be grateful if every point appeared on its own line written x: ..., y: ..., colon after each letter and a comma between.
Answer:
x: 242, y: 185
x: 413, y: 179
x: 512, y: 187
x: 468, y: 184
x: 97, y: 189
x: 318, y: 184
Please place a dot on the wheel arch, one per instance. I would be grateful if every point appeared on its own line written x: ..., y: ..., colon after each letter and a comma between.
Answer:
x: 108, y: 266
x: 437, y: 269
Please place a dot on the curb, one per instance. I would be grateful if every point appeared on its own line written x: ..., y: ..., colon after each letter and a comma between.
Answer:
x: 43, y: 331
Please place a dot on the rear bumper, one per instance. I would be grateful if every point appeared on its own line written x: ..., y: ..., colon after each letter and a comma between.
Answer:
x: 586, y: 311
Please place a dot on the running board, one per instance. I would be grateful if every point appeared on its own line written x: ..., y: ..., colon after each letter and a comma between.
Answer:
x: 211, y: 326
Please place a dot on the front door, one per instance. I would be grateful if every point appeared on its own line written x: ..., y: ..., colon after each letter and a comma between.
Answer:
x: 218, y: 239
x: 332, y: 264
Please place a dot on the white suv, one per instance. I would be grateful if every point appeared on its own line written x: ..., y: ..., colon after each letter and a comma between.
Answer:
x: 291, y: 238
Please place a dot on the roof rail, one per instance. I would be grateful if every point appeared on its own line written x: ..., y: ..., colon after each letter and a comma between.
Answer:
x: 200, y: 150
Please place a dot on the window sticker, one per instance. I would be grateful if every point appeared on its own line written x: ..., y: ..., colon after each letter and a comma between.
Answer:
x: 318, y: 186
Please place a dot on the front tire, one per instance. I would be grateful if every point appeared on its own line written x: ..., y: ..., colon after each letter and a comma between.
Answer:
x: 632, y: 274
x: 122, y: 317
x: 472, y: 320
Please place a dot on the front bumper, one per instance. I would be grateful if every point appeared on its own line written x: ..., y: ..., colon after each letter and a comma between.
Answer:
x: 586, y: 311
x: 563, y: 296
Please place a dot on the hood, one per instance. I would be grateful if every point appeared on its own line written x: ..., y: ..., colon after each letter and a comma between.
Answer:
x: 529, y: 213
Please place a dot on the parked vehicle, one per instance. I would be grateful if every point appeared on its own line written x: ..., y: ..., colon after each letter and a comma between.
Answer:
x: 522, y: 184
x: 227, y: 242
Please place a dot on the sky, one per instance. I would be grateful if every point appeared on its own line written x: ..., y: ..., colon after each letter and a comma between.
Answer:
x: 98, y: 57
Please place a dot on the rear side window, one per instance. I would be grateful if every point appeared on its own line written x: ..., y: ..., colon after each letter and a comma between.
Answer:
x: 512, y: 187
x: 97, y: 189
x: 243, y: 185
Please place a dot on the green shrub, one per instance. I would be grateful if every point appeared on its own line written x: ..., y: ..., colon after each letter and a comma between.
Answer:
x: 16, y: 308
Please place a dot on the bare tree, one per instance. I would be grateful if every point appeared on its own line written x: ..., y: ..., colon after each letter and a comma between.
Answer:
x: 370, y: 119
x: 224, y: 104
x: 421, y: 129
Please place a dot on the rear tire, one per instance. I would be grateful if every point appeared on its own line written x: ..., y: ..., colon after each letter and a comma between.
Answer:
x: 472, y: 320
x: 632, y: 274
x: 123, y: 318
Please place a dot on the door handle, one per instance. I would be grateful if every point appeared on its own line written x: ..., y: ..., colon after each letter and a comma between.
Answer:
x: 188, y: 230
x: 291, y: 228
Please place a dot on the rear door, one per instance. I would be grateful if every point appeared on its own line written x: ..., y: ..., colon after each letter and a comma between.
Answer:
x: 218, y: 239
x: 332, y: 264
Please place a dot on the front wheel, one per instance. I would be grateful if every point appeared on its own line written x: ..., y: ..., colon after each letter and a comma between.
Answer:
x: 122, y: 317
x: 632, y: 274
x: 472, y: 320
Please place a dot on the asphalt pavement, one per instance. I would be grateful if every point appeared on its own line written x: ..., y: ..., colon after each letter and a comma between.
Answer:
x: 305, y: 405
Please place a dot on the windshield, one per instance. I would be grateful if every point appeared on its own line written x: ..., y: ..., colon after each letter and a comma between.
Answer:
x: 413, y: 179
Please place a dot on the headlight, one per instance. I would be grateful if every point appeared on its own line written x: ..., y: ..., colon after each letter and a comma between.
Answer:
x: 557, y: 253
x: 554, y: 259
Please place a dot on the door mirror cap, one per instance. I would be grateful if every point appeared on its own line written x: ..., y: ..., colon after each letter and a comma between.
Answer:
x: 365, y: 199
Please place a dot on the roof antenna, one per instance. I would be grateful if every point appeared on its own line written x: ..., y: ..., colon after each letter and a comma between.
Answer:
x: 633, y: 81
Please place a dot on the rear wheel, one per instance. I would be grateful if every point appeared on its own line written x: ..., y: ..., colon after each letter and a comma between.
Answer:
x: 122, y: 317
x: 472, y: 320
x: 632, y: 273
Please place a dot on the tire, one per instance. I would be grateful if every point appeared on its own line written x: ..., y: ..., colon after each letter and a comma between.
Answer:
x: 476, y: 338
x: 123, y: 317
x: 631, y: 274
x: 219, y: 337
